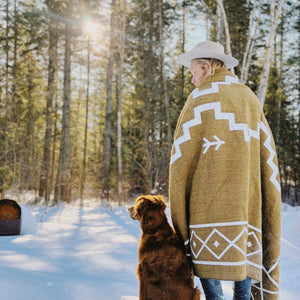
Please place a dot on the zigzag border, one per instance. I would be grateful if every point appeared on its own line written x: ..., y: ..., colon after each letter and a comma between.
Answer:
x: 219, y: 115
x: 215, y: 86
x: 196, y: 93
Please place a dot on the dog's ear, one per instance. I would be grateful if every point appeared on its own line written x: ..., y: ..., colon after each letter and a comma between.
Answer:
x: 142, y: 203
x: 132, y: 213
x: 139, y: 207
x: 161, y: 201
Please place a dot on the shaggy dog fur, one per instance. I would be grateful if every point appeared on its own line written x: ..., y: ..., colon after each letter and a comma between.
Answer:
x: 163, y: 270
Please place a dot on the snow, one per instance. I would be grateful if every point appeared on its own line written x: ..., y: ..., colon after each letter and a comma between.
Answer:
x: 90, y: 252
x: 28, y: 223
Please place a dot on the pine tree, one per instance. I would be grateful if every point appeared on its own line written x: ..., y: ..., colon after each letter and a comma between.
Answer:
x: 63, y: 190
x: 45, y: 180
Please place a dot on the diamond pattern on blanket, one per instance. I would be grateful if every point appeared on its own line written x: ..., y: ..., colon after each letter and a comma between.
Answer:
x: 225, y: 244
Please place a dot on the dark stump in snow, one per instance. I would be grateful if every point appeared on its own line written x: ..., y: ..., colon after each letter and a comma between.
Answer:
x: 10, y: 217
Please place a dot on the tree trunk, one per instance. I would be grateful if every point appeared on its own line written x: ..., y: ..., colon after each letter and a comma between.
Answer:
x: 55, y: 183
x: 163, y: 77
x: 12, y: 100
x: 119, y: 97
x: 14, y: 69
x: 252, y: 33
x: 6, y: 54
x: 149, y: 102
x: 5, y: 105
x: 279, y: 92
x: 86, y: 122
x: 226, y: 27
x: 220, y: 28
x: 26, y: 157
x: 64, y: 173
x: 263, y: 84
x: 108, y: 131
x: 45, y: 188
x: 182, y: 99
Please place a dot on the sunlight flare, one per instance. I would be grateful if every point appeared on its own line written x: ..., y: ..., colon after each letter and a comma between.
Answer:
x: 89, y: 26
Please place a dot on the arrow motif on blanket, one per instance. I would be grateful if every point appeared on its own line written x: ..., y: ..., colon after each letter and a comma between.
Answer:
x: 208, y: 144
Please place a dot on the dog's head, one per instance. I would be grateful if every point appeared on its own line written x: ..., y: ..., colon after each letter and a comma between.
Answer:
x: 149, y: 210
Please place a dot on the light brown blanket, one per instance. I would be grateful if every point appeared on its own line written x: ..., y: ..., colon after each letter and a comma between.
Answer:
x: 224, y: 185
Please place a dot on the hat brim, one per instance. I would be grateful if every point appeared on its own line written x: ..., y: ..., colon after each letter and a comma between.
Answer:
x: 186, y: 58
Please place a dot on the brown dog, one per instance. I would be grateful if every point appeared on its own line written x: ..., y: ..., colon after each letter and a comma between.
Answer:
x: 163, y: 270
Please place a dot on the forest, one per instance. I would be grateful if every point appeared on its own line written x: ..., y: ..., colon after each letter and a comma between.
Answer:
x: 90, y: 90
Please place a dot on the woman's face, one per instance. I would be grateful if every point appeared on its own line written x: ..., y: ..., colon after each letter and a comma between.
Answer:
x: 198, y: 71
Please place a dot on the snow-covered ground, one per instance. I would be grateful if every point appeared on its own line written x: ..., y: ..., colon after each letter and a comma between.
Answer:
x: 90, y: 252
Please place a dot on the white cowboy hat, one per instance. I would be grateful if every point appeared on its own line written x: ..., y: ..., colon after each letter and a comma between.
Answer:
x: 207, y: 49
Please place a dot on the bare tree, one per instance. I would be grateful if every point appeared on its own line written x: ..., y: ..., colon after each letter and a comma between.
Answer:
x: 163, y: 77
x: 6, y: 104
x: 252, y: 33
x: 45, y: 188
x: 119, y: 95
x: 64, y: 165
x: 220, y: 27
x: 226, y: 28
x: 14, y: 68
x: 183, y: 40
x: 108, y: 130
x: 280, y: 86
x: 6, y: 52
x: 83, y: 176
x: 275, y: 17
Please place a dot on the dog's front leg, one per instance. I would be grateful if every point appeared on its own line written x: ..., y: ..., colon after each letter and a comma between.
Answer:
x: 144, y: 290
x: 143, y: 282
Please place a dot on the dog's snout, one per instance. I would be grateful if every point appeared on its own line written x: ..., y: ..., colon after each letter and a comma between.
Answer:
x: 131, y: 212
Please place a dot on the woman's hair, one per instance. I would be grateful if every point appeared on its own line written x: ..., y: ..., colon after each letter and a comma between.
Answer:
x: 213, y: 65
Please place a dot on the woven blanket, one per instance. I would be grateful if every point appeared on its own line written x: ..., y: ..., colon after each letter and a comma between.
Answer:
x: 224, y: 185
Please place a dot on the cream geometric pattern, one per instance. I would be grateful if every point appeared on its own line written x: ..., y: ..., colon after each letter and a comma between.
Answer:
x: 259, y: 286
x: 270, y: 162
x: 218, y: 244
x: 215, y: 87
x: 209, y: 144
x: 218, y: 238
x: 233, y: 126
x: 186, y: 126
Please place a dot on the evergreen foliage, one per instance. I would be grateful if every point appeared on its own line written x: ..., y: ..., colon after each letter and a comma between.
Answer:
x: 153, y: 91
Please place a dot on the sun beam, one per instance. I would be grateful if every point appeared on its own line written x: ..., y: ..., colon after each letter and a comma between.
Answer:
x: 89, y: 27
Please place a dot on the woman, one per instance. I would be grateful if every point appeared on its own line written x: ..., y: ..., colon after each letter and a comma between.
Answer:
x: 224, y: 183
